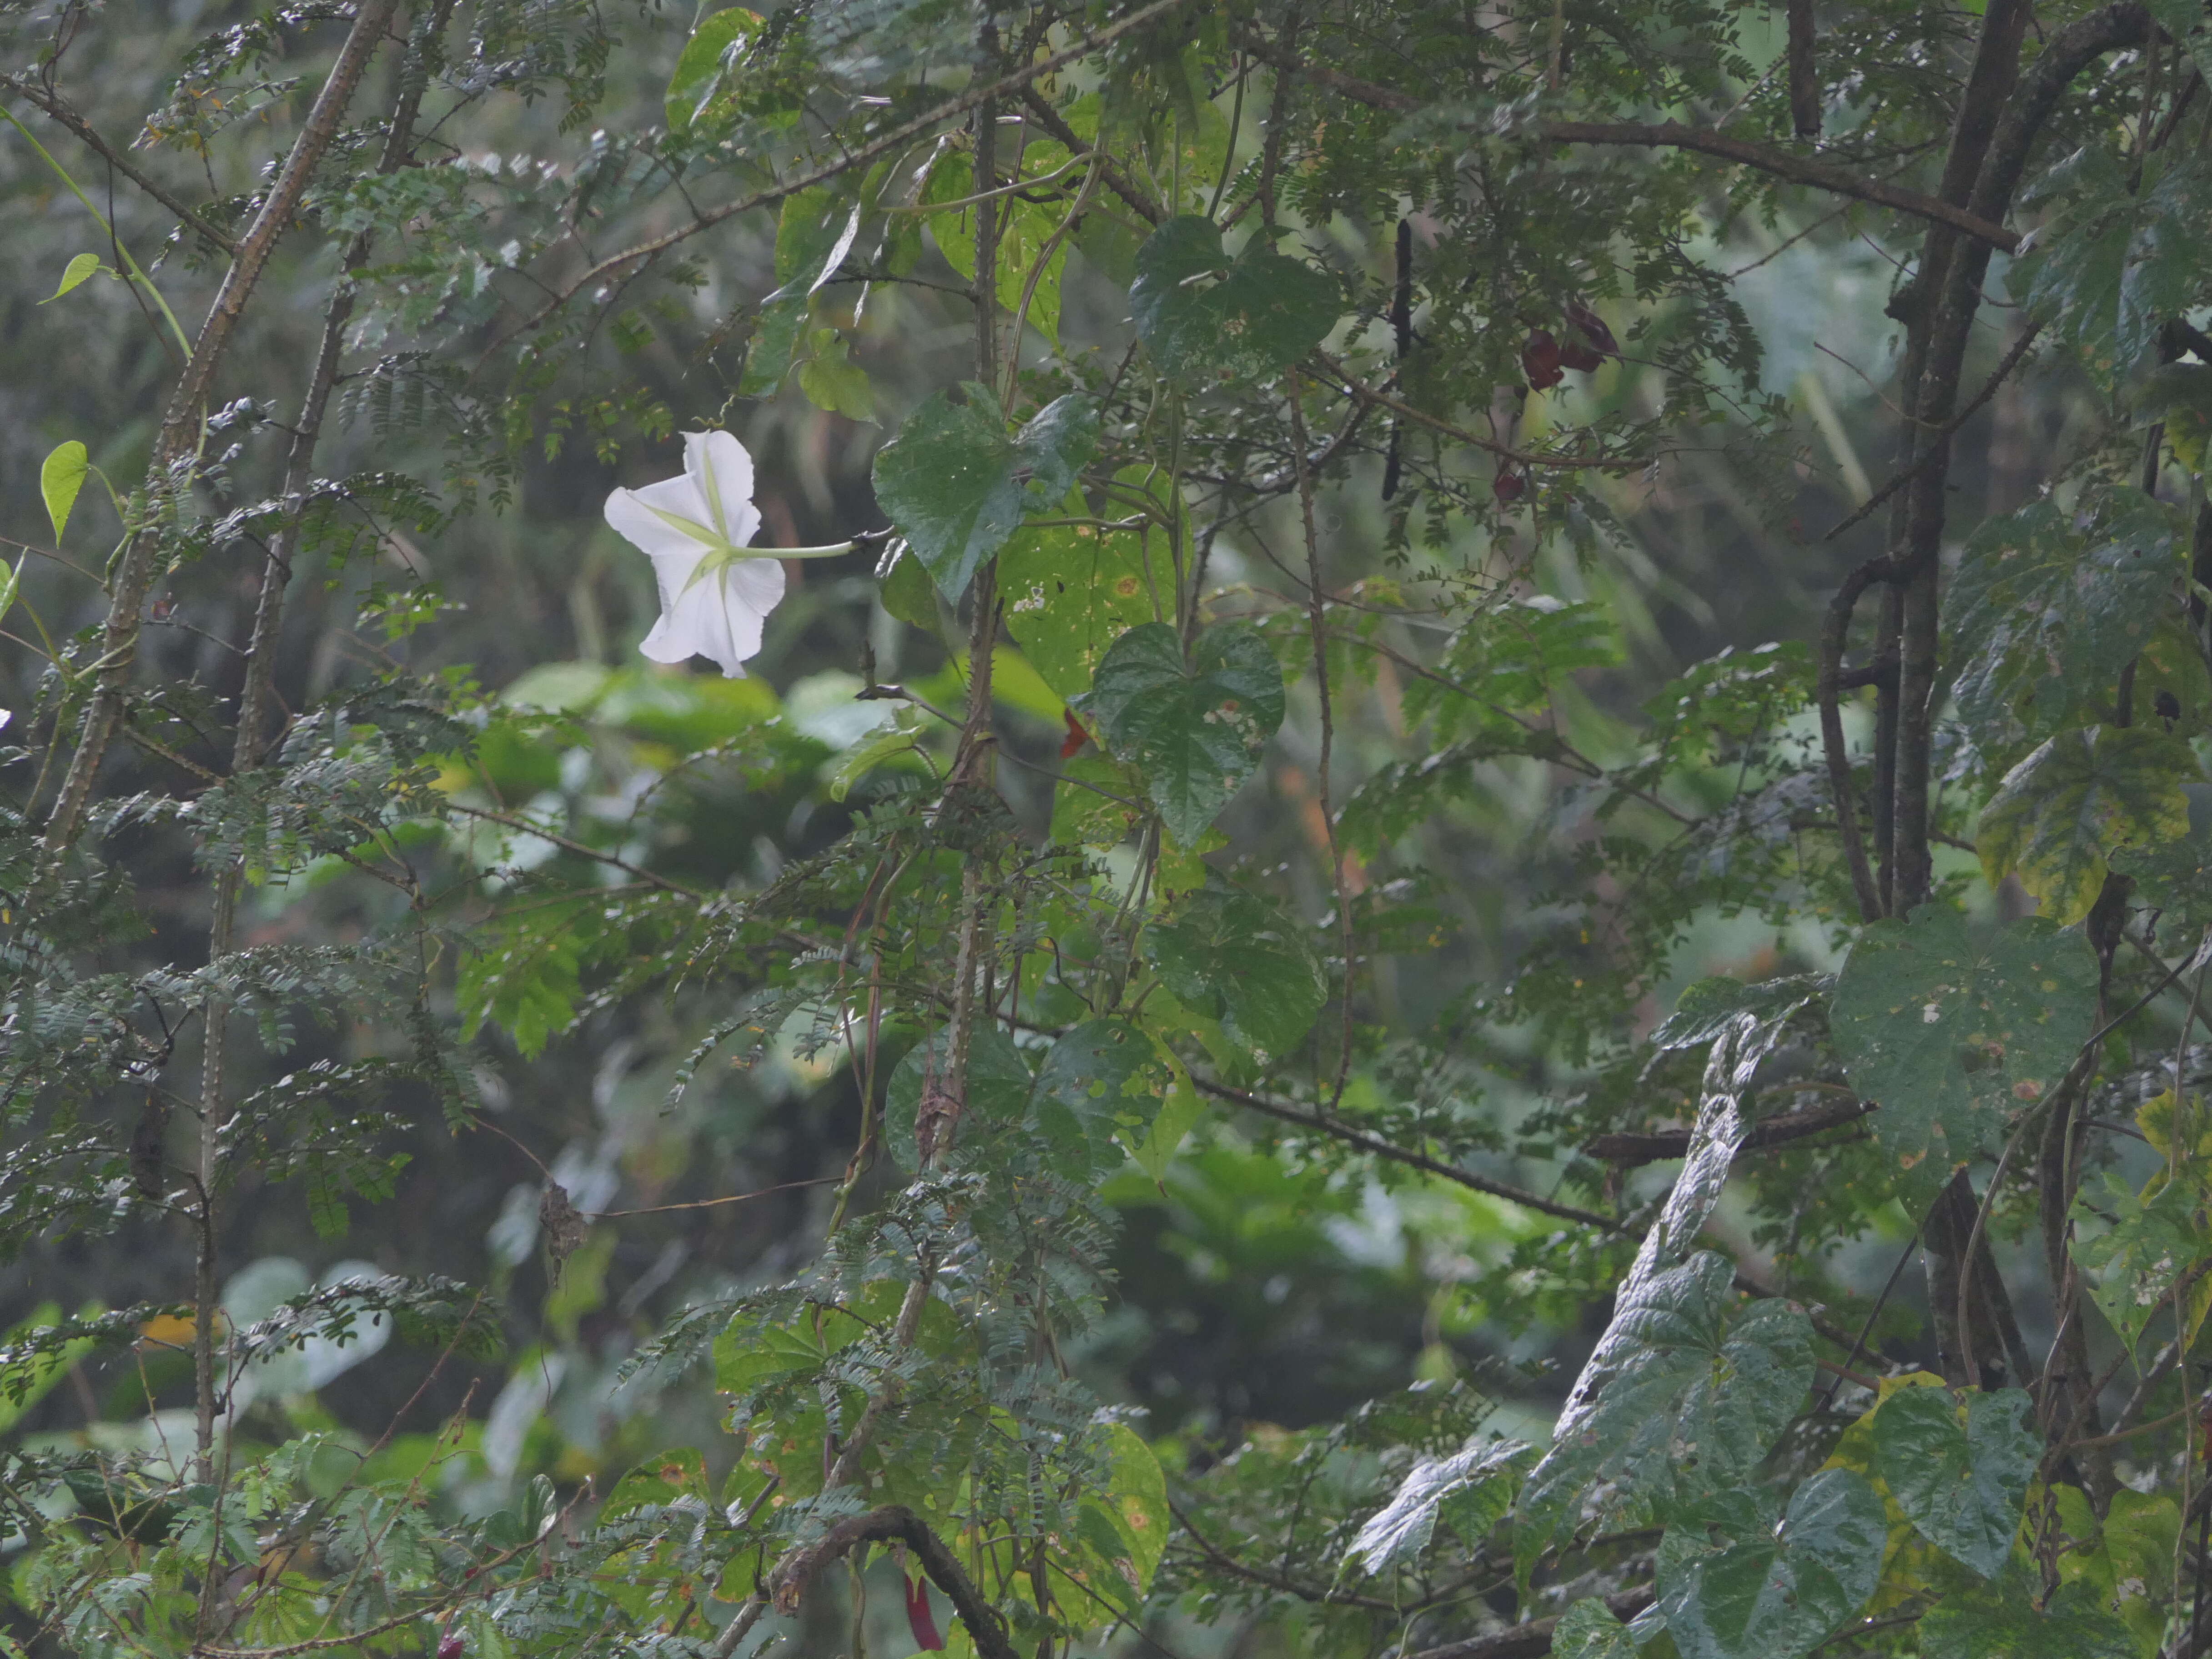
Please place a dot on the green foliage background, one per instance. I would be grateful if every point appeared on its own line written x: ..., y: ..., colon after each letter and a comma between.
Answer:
x: 1475, y: 925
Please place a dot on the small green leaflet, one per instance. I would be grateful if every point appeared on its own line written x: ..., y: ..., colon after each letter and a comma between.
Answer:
x: 1195, y: 727
x: 1471, y: 1489
x: 1688, y: 1403
x: 2138, y: 1249
x: 1588, y: 1629
x: 2044, y: 617
x: 1258, y: 314
x: 2002, y: 1621
x: 60, y: 476
x: 2062, y: 813
x: 1960, y: 1484
x: 1734, y: 1584
x: 1229, y: 956
x: 79, y: 270
x: 1953, y: 1029
x: 957, y: 485
x: 9, y: 581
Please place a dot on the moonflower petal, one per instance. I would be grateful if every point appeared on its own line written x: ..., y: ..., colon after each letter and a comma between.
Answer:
x: 716, y: 618
x: 720, y: 469
x: 630, y: 513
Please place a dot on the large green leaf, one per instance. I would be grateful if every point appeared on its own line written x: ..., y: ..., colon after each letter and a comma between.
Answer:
x: 1686, y: 1403
x: 1950, y: 1029
x: 2010, y: 1621
x: 1473, y: 1489
x: 957, y: 483
x: 1071, y: 590
x: 1197, y: 727
x: 1102, y: 1079
x: 1959, y: 1470
x: 2046, y: 616
x: 1204, y: 317
x: 2062, y: 812
x: 1734, y: 1584
x: 1229, y: 954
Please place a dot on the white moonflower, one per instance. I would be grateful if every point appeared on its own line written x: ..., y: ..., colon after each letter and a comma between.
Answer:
x: 715, y: 591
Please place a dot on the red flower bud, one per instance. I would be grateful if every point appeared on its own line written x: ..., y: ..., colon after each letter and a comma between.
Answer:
x: 919, y: 1618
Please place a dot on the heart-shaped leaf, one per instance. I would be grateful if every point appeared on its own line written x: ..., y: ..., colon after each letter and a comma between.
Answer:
x: 1195, y: 727
x: 957, y: 483
x: 1204, y: 317
x: 61, y: 476
x: 1960, y: 1483
x: 1735, y: 1585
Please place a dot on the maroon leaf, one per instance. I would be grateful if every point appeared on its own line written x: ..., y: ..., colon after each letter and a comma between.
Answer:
x: 1510, y: 484
x: 1581, y: 357
x: 1593, y: 329
x: 1539, y: 359
x: 919, y: 1618
x: 449, y: 1645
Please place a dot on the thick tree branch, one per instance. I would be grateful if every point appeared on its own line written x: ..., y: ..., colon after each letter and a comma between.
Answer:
x: 1632, y: 1150
x: 895, y: 1522
x: 1798, y: 169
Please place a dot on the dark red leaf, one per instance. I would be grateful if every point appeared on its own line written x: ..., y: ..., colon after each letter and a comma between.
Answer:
x: 1593, y: 329
x: 1509, y: 485
x: 1539, y: 359
x: 919, y: 1618
x: 1072, y: 745
x: 1580, y: 357
x: 449, y: 1645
